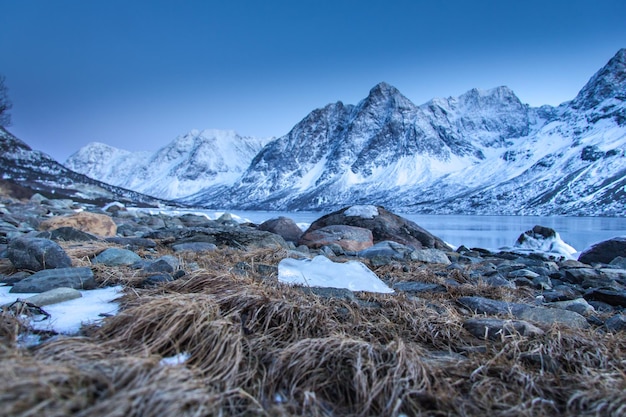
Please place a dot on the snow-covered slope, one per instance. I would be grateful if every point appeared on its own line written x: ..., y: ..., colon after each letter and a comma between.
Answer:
x: 483, y: 152
x: 183, y: 167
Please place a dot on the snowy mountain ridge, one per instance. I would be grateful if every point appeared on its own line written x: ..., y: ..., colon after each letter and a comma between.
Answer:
x: 181, y: 168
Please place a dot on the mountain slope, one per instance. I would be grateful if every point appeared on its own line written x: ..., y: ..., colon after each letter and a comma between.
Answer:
x: 483, y: 152
x: 183, y: 167
x: 38, y: 172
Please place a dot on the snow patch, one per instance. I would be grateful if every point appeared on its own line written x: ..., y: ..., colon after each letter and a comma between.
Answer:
x: 364, y: 212
x: 175, y: 360
x: 322, y: 272
x: 554, y: 245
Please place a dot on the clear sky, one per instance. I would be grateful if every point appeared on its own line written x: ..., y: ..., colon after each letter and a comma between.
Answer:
x: 135, y: 74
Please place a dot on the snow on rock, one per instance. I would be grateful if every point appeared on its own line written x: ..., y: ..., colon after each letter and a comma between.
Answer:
x: 322, y: 272
x: 364, y: 212
x: 544, y: 239
x: 68, y: 316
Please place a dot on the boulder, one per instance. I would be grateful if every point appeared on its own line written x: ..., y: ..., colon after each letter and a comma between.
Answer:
x: 68, y: 234
x: 550, y: 316
x: 383, y: 224
x: 96, y: 224
x: 49, y: 279
x: 36, y: 254
x: 116, y: 257
x: 431, y: 256
x: 284, y: 227
x: 350, y: 238
x: 604, y: 252
x: 544, y: 239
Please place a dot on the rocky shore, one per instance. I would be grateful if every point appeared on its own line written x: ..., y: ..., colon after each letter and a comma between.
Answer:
x: 461, y: 331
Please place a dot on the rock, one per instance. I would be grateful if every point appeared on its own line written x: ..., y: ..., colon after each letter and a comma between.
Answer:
x: 616, y: 323
x: 36, y: 254
x: 550, y: 316
x: 418, y: 287
x: 13, y: 278
x: 195, y: 220
x: 350, y: 238
x: 498, y: 280
x: 604, y: 252
x: 384, y: 226
x: 587, y: 277
x: 544, y: 239
x: 494, y: 329
x: 614, y: 274
x: 156, y: 279
x: 96, y: 224
x: 68, y: 234
x: 387, y: 249
x: 571, y: 264
x: 116, y: 257
x: 483, y: 305
x: 329, y: 292
x: 240, y: 237
x: 284, y: 227
x: 194, y: 247
x: 132, y: 243
x: 578, y: 305
x: 78, y: 278
x: 432, y: 256
x: 160, y: 265
x: 619, y: 262
x: 57, y: 295
x: 612, y: 297
x: 522, y: 273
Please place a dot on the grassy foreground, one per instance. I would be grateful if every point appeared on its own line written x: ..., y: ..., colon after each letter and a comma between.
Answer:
x: 260, y: 348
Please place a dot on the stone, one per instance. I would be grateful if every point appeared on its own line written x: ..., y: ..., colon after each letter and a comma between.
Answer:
x: 68, y: 234
x: 78, y: 278
x: 284, y: 227
x: 350, y: 238
x: 522, y: 273
x: 579, y: 275
x: 387, y: 249
x: 57, y: 295
x: 431, y: 255
x: 96, y: 224
x: 494, y: 329
x: 418, y: 287
x: 612, y: 297
x: 619, y: 262
x: 578, y: 305
x: 194, y: 247
x: 132, y: 243
x: 498, y: 280
x: 35, y: 254
x: 550, y: 316
x: 329, y: 292
x: 239, y: 237
x: 604, y: 252
x: 384, y: 226
x: 616, y: 323
x: 159, y: 265
x: 571, y: 263
x: 116, y: 257
x: 156, y: 279
x: 482, y: 305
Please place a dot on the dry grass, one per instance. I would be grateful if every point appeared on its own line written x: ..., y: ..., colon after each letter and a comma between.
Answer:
x: 257, y: 347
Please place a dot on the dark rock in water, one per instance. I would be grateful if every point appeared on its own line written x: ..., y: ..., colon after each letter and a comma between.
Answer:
x: 49, y: 279
x: 483, y: 305
x: 537, y: 233
x: 116, y: 257
x: 418, y: 287
x: 612, y: 297
x: 384, y: 225
x: 604, y: 252
x: 194, y: 247
x: 68, y: 234
x: 283, y: 226
x: 350, y: 238
x: 36, y: 254
x: 616, y: 323
x: 132, y: 243
x: 494, y: 329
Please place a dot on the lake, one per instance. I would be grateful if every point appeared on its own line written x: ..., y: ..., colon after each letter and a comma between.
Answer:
x: 489, y: 232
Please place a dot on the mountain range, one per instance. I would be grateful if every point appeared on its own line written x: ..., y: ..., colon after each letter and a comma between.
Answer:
x: 484, y: 152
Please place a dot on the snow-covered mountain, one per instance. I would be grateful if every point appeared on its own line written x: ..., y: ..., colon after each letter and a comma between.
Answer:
x: 183, y: 167
x: 484, y: 152
x: 33, y: 171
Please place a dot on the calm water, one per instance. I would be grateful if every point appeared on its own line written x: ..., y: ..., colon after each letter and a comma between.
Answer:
x: 490, y: 232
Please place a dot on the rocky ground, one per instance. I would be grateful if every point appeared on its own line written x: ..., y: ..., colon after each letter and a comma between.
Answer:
x: 207, y: 327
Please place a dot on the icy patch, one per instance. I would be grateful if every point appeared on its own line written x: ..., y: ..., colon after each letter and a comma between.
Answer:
x: 175, y: 360
x: 68, y: 316
x: 552, y: 245
x: 364, y: 212
x: 322, y: 272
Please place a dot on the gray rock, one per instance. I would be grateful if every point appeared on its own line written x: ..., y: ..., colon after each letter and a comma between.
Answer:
x: 329, y: 292
x: 494, y: 329
x: 612, y: 297
x: 432, y: 256
x: 522, y: 273
x: 132, y: 243
x: 350, y: 238
x: 388, y: 249
x: 68, y: 234
x: 240, y: 237
x: 57, y: 295
x: 36, y: 254
x: 418, y: 287
x: 116, y: 257
x: 616, y: 323
x: 482, y: 305
x: 619, y: 262
x: 578, y: 305
x: 159, y: 265
x: 604, y: 252
x: 78, y: 278
x: 156, y: 279
x: 615, y: 274
x: 194, y: 247
x: 498, y: 280
x: 550, y: 316
x: 284, y: 227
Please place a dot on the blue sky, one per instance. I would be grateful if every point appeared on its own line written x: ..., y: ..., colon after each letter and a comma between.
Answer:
x: 136, y: 74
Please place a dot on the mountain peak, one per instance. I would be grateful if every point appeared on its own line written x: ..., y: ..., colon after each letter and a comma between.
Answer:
x: 609, y: 82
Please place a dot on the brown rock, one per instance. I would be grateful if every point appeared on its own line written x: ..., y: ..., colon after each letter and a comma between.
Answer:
x: 96, y: 224
x: 350, y: 238
x: 284, y: 227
